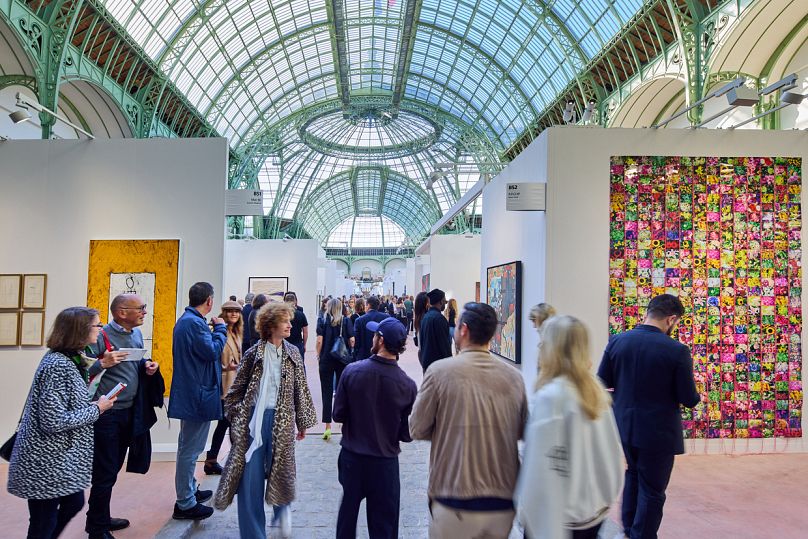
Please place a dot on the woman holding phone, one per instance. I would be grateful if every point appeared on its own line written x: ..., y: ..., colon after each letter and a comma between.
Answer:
x: 51, y: 463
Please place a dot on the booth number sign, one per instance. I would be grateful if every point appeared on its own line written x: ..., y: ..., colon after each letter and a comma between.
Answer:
x: 526, y: 197
x: 244, y: 202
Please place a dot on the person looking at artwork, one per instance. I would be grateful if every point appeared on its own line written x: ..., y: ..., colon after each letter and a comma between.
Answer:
x: 652, y: 375
x: 334, y: 326
x: 473, y: 408
x: 299, y: 334
x: 51, y: 461
x: 245, y: 316
x: 268, y: 399
x: 433, y: 337
x: 231, y: 359
x: 539, y: 314
x: 570, y: 416
x: 196, y: 390
x: 373, y: 403
x: 419, y: 308
x: 364, y: 339
x: 126, y: 427
x: 258, y: 301
x: 359, y: 310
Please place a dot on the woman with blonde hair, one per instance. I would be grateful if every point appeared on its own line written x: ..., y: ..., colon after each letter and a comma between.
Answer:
x: 268, y: 401
x: 540, y: 313
x: 334, y: 325
x: 570, y: 418
x: 231, y: 357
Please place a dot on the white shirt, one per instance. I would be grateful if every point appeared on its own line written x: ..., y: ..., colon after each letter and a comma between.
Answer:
x: 267, y: 393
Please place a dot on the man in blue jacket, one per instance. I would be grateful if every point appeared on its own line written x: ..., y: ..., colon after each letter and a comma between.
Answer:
x: 652, y: 374
x: 364, y: 340
x: 196, y: 390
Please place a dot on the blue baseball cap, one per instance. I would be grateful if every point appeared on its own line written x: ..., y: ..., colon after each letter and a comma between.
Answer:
x: 391, y: 329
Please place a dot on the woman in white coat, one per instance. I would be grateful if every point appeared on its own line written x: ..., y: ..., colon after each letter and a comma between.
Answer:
x: 572, y: 469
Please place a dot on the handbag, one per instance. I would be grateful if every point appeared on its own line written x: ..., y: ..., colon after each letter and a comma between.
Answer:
x: 7, y: 448
x: 339, y: 350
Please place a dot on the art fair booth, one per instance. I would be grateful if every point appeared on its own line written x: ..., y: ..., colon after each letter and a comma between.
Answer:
x: 711, y: 216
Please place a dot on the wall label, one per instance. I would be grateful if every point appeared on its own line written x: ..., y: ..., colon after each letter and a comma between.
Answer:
x: 526, y: 197
x: 244, y: 202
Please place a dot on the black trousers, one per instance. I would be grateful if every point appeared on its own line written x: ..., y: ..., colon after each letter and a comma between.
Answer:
x: 647, y: 477
x: 113, y: 434
x: 328, y: 368
x: 48, y: 518
x: 218, y: 436
x: 375, y: 479
x: 409, y: 321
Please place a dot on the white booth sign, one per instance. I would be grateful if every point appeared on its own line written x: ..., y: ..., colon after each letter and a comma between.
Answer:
x: 244, y: 202
x: 526, y: 197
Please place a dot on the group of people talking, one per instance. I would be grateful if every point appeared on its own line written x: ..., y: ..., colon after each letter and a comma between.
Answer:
x: 471, y: 405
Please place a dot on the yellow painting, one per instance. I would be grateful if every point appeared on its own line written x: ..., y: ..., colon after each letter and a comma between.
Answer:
x: 114, y: 260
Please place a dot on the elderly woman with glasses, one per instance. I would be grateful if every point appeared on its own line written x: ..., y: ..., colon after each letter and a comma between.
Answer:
x: 51, y: 463
x: 268, y: 399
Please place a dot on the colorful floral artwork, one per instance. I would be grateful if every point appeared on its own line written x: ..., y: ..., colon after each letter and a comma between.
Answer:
x: 722, y: 233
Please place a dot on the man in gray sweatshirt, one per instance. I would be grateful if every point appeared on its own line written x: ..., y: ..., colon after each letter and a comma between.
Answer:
x: 113, y: 434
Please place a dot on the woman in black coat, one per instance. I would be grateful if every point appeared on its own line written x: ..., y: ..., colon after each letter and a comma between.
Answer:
x: 328, y: 331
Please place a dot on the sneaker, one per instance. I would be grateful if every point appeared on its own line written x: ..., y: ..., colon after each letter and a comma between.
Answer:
x: 116, y: 524
x: 213, y: 468
x: 203, y: 495
x: 327, y: 435
x: 197, y: 512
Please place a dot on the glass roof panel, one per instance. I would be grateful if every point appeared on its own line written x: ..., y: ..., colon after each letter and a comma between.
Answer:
x: 366, y: 232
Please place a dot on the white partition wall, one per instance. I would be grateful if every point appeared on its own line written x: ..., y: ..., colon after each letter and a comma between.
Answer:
x: 57, y: 195
x: 565, y: 251
x: 295, y: 259
x: 454, y: 262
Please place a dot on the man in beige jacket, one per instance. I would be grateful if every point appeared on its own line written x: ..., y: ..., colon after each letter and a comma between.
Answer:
x: 473, y: 408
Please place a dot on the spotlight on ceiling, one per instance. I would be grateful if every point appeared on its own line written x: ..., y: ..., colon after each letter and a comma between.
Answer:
x: 19, y: 116
x: 588, y: 112
x: 569, y: 112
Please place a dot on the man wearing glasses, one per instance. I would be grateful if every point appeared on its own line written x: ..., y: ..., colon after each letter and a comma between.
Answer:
x: 126, y: 426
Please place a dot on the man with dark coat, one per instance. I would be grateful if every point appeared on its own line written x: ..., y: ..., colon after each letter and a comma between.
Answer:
x: 196, y: 390
x: 364, y: 340
x: 652, y: 375
x: 126, y: 426
x: 433, y: 335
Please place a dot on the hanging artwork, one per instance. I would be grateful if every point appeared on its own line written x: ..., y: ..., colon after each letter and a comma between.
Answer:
x: 148, y: 267
x: 273, y: 288
x: 504, y: 285
x: 723, y: 234
x: 425, y: 283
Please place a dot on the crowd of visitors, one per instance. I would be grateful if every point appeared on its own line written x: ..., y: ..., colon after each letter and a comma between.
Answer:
x: 245, y: 371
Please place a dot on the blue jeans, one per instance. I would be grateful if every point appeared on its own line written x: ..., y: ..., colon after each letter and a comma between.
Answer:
x: 191, y: 442
x: 252, y: 521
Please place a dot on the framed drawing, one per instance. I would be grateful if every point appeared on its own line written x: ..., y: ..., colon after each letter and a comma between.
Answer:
x: 504, y: 285
x: 10, y: 291
x: 34, y: 288
x: 142, y: 284
x: 32, y: 328
x: 272, y: 287
x: 9, y: 329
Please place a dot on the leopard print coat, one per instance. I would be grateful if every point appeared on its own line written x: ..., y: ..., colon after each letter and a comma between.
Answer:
x: 294, y: 408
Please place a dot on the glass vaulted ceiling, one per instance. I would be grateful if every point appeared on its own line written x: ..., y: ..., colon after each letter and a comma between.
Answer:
x: 250, y: 65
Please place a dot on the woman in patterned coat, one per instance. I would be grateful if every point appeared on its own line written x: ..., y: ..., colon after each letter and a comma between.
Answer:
x: 52, y: 460
x: 268, y: 399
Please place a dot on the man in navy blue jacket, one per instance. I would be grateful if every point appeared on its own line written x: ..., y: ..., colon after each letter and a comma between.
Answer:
x: 652, y: 374
x: 196, y: 390
x: 364, y: 339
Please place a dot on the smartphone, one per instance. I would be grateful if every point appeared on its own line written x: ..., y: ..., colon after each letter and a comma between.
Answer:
x: 116, y: 390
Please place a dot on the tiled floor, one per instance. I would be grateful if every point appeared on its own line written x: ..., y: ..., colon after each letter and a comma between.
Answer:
x: 745, y: 497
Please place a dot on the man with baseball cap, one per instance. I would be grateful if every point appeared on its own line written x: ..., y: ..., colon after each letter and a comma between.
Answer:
x: 373, y: 402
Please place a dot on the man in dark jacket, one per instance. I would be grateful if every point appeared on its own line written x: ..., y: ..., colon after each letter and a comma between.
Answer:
x: 115, y: 431
x: 364, y: 339
x: 196, y: 390
x: 652, y: 375
x: 433, y: 335
x: 246, y: 338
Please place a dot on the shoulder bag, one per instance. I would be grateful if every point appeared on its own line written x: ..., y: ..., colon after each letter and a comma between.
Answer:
x: 7, y: 448
x: 339, y: 350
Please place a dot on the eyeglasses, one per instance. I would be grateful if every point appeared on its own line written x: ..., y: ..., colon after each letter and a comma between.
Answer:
x: 99, y: 326
x: 142, y: 308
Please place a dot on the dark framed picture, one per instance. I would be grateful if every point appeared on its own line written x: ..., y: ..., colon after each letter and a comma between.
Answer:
x: 272, y: 287
x: 504, y: 286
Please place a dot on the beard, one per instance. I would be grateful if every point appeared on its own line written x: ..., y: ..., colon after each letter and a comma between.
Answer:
x: 376, y: 347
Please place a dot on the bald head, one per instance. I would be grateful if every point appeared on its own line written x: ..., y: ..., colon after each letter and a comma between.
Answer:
x: 128, y: 310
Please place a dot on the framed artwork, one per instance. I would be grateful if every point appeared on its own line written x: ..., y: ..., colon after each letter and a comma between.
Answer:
x: 10, y: 285
x: 504, y: 286
x: 724, y: 235
x: 425, y: 283
x: 34, y: 288
x: 272, y: 287
x: 32, y: 328
x: 9, y: 329
x: 477, y: 292
x: 148, y: 268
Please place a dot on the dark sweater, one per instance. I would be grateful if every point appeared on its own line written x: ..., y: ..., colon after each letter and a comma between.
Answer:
x: 433, y: 338
x: 125, y: 371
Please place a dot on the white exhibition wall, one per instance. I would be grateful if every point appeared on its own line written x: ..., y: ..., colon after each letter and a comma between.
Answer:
x: 454, y: 265
x: 413, y: 285
x: 295, y: 259
x: 57, y: 195
x: 570, y: 268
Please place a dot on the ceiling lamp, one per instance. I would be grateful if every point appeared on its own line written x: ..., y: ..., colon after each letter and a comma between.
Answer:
x: 23, y: 115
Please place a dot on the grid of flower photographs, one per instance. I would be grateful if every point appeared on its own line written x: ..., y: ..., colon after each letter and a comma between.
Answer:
x: 723, y: 234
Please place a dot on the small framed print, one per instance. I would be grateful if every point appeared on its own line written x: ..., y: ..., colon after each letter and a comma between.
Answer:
x: 10, y: 291
x: 34, y: 288
x: 9, y: 329
x: 32, y: 328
